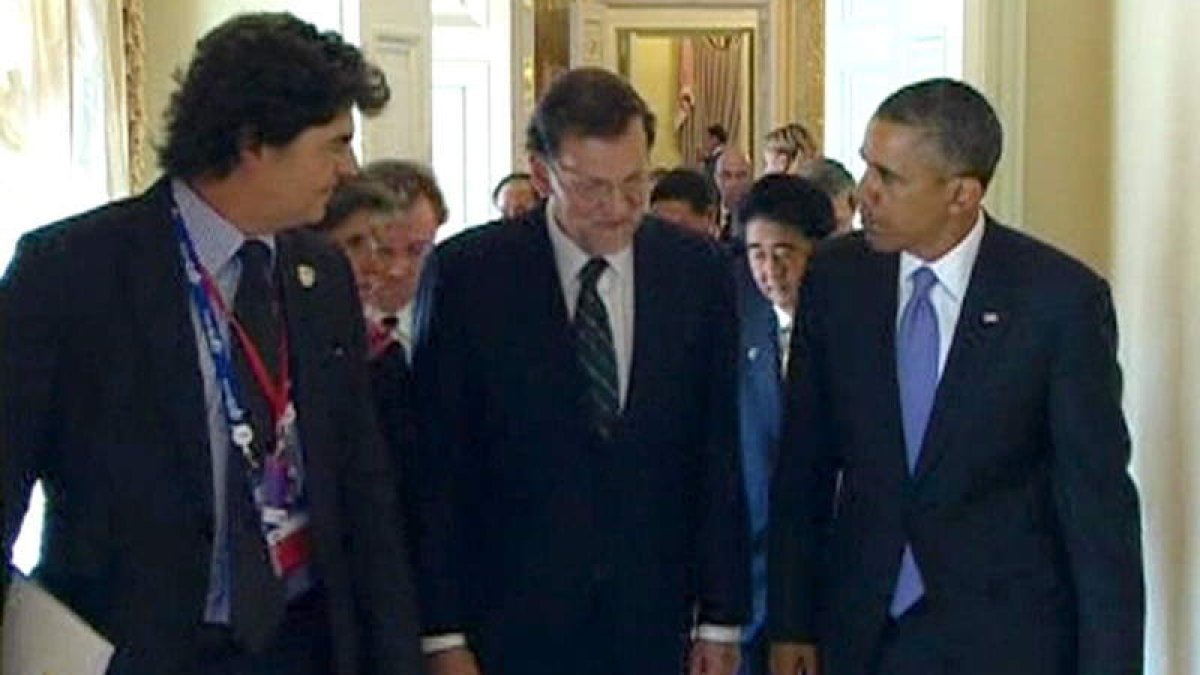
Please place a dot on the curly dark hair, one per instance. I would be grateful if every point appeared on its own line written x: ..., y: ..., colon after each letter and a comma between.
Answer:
x: 262, y: 79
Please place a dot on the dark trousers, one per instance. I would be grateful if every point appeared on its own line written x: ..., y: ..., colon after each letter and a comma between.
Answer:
x: 301, y: 647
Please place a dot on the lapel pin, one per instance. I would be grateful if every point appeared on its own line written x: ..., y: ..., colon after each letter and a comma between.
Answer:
x: 990, y: 318
x: 306, y: 275
x: 752, y: 353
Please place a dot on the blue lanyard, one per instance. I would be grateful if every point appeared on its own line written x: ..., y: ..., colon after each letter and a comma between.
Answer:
x: 240, y: 431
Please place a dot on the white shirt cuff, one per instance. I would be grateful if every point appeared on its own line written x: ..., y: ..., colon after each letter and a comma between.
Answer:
x: 432, y: 644
x: 714, y: 633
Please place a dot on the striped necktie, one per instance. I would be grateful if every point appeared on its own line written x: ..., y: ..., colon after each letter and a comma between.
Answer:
x: 595, y: 353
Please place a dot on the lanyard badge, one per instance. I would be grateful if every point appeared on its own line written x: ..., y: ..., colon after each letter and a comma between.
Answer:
x: 276, y: 478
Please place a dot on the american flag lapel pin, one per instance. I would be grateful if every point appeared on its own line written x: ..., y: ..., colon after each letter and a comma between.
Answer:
x: 989, y: 318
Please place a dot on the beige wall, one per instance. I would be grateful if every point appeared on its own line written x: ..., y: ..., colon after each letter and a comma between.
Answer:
x: 1068, y: 121
x: 172, y: 29
x: 1111, y: 160
x: 654, y: 67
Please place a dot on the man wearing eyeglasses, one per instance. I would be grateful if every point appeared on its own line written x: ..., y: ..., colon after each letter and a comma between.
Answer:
x: 581, y: 507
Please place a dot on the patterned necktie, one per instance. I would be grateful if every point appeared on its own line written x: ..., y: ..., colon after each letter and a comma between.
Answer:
x: 257, y: 601
x: 595, y: 352
x: 917, y: 346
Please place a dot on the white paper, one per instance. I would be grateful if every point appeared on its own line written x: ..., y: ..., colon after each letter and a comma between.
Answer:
x: 43, y: 637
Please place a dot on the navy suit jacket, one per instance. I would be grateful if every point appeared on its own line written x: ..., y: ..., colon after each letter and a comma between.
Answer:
x: 760, y: 393
x: 103, y: 401
x: 1020, y: 512
x: 552, y: 551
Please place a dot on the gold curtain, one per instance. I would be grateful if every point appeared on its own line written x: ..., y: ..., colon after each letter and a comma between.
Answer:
x: 133, y: 33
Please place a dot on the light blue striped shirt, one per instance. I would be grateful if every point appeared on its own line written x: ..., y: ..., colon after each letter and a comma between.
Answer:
x: 217, y: 243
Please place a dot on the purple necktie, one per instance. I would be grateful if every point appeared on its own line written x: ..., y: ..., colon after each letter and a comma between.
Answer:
x: 917, y: 372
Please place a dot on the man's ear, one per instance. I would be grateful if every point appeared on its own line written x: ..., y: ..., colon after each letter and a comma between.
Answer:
x: 250, y: 147
x: 967, y: 194
x: 539, y: 174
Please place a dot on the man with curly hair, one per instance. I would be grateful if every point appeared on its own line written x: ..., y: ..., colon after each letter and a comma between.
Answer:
x: 184, y: 372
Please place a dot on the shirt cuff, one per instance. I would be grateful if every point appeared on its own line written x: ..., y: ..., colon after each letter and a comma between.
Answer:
x: 714, y: 633
x: 432, y: 644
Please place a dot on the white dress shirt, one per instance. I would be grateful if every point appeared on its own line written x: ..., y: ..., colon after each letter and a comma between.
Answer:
x: 615, y: 287
x: 403, y: 331
x: 784, y: 335
x: 953, y: 272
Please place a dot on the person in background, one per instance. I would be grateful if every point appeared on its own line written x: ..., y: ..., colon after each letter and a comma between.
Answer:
x: 715, y: 138
x: 832, y: 177
x: 953, y: 493
x: 406, y: 242
x: 357, y: 211
x: 734, y: 177
x: 515, y: 195
x: 184, y: 371
x: 785, y: 217
x: 582, y: 508
x: 788, y: 146
x: 685, y: 197
x: 357, y: 219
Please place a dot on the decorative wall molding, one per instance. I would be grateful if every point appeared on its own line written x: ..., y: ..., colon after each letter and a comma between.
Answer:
x: 468, y: 13
x: 400, y: 130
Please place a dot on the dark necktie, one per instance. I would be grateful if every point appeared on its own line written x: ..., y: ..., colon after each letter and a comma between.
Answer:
x: 257, y: 601
x: 595, y: 352
x: 917, y: 353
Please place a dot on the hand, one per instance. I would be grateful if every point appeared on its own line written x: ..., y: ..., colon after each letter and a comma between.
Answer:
x: 793, y: 658
x: 453, y: 661
x: 713, y: 658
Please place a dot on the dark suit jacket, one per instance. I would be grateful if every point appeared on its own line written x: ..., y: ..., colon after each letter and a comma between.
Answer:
x: 760, y: 393
x: 552, y: 551
x: 103, y: 402
x: 1021, y: 513
x: 392, y: 388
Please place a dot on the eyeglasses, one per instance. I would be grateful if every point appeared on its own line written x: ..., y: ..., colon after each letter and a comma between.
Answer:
x: 634, y: 190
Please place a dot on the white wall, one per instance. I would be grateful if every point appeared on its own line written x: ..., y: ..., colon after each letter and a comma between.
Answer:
x: 1156, y: 274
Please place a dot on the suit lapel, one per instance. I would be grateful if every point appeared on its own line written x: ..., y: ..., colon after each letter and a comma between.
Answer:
x: 537, y: 297
x: 651, y: 342
x: 161, y: 311
x: 301, y: 289
x: 981, y: 322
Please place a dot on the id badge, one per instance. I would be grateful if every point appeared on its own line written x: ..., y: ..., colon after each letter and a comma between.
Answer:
x: 290, y: 544
x: 277, y: 481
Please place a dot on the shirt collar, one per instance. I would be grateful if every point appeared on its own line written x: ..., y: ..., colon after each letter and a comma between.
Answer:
x: 953, y: 270
x: 216, y: 239
x: 570, y: 259
x: 782, y: 318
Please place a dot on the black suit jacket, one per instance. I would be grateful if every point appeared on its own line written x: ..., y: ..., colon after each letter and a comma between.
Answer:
x: 553, y: 552
x: 392, y: 388
x: 1021, y: 513
x: 103, y: 402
